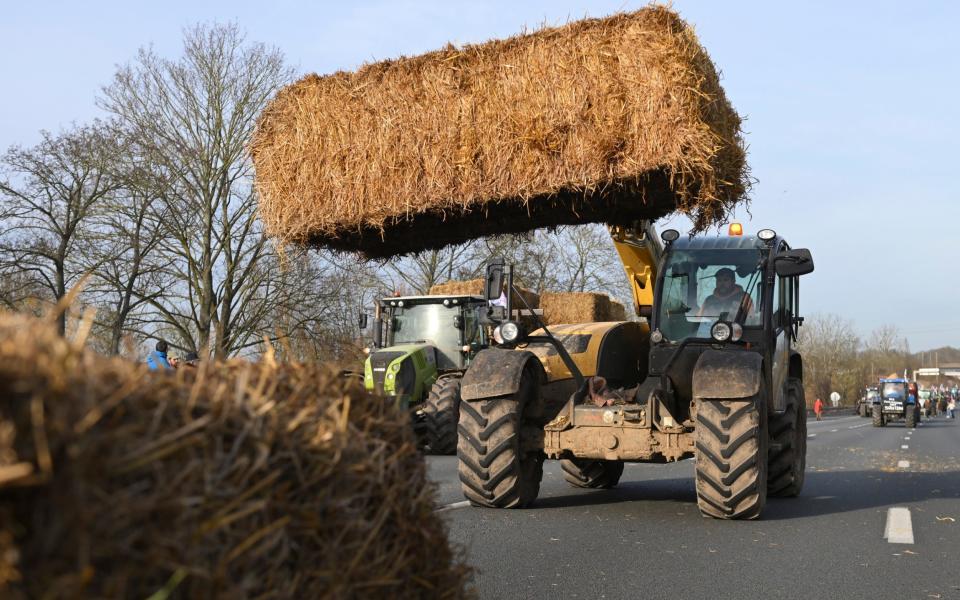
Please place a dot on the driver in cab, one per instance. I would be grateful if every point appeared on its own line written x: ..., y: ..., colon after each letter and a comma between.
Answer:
x: 727, y: 297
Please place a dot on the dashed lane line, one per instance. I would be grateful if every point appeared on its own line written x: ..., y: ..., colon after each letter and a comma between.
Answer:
x: 812, y: 435
x: 904, y: 447
x: 899, y: 528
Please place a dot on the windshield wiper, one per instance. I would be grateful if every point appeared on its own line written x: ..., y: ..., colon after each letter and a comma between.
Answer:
x: 747, y: 294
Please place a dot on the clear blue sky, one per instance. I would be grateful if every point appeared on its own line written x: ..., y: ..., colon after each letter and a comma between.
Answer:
x: 851, y: 107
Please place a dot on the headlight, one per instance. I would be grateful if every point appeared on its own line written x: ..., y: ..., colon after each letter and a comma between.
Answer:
x: 736, y: 332
x: 656, y: 337
x: 390, y: 376
x: 509, y: 331
x: 720, y: 331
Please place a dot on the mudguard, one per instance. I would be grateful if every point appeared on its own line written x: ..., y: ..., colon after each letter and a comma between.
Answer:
x: 721, y: 374
x: 496, y: 372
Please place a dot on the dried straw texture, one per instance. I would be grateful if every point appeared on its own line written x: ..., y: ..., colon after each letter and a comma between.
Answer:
x: 579, y: 307
x: 474, y: 287
x: 600, y: 120
x: 235, y: 481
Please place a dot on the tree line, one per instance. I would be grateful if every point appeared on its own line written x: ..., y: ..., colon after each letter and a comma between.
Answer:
x: 837, y: 359
x: 151, y: 210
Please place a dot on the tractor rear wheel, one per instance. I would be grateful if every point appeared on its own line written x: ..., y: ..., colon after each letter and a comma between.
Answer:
x: 441, y: 413
x: 911, y: 416
x: 788, y: 438
x: 878, y: 420
x: 731, y: 458
x: 495, y: 469
x: 592, y: 473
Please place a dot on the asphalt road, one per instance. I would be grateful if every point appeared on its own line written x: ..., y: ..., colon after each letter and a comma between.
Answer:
x: 646, y: 538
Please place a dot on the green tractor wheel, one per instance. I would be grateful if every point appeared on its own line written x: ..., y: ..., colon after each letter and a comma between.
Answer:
x: 441, y: 412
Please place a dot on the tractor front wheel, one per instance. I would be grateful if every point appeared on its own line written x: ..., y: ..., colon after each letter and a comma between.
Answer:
x: 495, y: 469
x: 788, y: 437
x: 731, y: 443
x: 441, y: 412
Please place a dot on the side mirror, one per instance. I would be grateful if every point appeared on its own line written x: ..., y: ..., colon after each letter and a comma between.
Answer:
x: 458, y: 321
x: 362, y: 320
x: 493, y: 287
x: 793, y: 263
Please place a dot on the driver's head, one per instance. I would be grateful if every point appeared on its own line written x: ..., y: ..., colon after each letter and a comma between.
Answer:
x: 725, y: 281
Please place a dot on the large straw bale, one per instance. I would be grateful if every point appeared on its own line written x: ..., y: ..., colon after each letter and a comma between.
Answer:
x: 235, y: 481
x: 600, y: 120
x: 474, y: 287
x: 579, y: 307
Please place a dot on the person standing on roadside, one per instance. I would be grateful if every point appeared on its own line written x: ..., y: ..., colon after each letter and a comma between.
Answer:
x: 951, y: 408
x: 157, y: 360
x: 818, y: 409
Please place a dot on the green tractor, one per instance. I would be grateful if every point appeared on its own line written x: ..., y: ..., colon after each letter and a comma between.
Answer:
x: 421, y: 347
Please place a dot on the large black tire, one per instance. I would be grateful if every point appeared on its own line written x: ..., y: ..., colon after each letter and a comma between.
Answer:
x: 495, y: 471
x: 878, y: 420
x: 731, y: 457
x: 911, y: 416
x: 441, y: 412
x: 787, y: 460
x: 592, y: 473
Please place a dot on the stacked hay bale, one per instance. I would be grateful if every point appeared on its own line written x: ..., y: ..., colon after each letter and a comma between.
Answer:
x: 474, y: 287
x: 232, y: 481
x: 579, y: 307
x: 601, y: 120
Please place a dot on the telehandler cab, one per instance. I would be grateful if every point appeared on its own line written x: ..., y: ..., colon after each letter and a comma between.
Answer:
x: 714, y: 376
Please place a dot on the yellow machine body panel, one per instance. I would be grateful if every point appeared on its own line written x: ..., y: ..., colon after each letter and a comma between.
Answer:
x: 616, y: 350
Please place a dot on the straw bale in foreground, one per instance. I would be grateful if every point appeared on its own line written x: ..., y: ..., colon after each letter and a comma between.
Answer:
x: 579, y: 307
x: 600, y: 120
x: 235, y: 481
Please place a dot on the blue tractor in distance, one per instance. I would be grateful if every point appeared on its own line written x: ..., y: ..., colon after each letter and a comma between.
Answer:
x: 895, y: 401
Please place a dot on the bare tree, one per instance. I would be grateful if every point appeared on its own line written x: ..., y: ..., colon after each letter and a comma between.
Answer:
x: 191, y: 118
x: 830, y: 348
x: 128, y: 230
x: 48, y: 194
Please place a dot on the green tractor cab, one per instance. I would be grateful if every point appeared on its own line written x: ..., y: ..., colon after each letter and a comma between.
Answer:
x: 421, y: 347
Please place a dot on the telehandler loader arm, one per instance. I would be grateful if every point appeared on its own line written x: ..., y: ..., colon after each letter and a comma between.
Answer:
x: 640, y: 249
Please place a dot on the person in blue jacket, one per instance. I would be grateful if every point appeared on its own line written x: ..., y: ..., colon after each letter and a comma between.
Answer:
x: 157, y: 360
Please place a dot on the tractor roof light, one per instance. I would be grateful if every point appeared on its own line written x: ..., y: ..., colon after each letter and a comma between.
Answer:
x: 735, y: 229
x: 766, y: 235
x: 669, y: 235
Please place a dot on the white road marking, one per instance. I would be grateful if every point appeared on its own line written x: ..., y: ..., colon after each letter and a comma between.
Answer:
x: 903, y: 464
x: 453, y: 506
x: 904, y: 447
x: 833, y: 431
x: 899, y: 529
x: 812, y: 435
x: 859, y: 426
